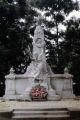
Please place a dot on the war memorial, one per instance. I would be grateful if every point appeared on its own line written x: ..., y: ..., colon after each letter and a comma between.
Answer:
x: 39, y: 93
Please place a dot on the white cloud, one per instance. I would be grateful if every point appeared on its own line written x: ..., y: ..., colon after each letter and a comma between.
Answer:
x: 15, y: 2
x: 76, y: 0
x: 22, y: 20
x: 62, y: 27
x: 74, y: 14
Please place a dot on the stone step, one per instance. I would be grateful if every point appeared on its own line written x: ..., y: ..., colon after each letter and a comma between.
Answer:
x: 40, y: 116
x: 40, y: 113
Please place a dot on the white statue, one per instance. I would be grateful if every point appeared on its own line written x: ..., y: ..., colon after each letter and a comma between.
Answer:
x: 38, y: 67
x: 39, y: 51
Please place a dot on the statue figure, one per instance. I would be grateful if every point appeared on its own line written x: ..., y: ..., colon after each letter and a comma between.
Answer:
x: 38, y: 67
x: 39, y: 51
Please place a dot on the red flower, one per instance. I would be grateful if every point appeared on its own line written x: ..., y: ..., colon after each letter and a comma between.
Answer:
x: 39, y: 92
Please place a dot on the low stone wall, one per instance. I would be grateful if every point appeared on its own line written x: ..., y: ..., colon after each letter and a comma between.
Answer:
x: 63, y: 85
x: 16, y: 85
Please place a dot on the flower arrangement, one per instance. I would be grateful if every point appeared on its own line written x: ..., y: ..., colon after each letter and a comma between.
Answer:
x: 38, y: 93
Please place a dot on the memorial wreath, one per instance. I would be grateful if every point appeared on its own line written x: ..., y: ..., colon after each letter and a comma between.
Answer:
x: 38, y: 93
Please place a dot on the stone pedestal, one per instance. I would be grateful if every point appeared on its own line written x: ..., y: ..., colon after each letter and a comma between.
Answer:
x: 10, y: 86
x: 63, y: 85
x: 19, y: 86
x: 52, y: 95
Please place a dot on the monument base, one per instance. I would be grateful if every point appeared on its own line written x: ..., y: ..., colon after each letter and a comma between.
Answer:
x: 58, y: 110
x: 50, y: 94
x: 18, y: 87
x: 27, y: 98
x: 17, y: 98
x: 72, y: 96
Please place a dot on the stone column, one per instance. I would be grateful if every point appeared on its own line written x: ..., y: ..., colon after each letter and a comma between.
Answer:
x: 10, y: 85
x: 68, y: 85
x: 63, y: 84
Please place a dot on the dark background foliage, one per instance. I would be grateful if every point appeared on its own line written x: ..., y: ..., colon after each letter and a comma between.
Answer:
x: 17, y: 25
x: 14, y: 37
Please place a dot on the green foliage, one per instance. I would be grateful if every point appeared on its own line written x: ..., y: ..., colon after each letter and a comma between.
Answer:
x: 14, y: 37
x: 2, y: 1
x: 71, y: 51
x: 57, y: 10
x: 15, y: 41
x: 55, y: 5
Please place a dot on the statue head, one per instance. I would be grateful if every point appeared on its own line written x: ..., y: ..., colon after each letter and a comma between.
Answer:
x: 39, y: 20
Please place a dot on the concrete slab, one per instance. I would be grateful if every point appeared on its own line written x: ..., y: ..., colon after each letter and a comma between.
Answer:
x: 44, y: 104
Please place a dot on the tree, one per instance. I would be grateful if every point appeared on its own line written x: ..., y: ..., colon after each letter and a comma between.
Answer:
x: 15, y: 20
x: 56, y: 10
x: 71, y: 51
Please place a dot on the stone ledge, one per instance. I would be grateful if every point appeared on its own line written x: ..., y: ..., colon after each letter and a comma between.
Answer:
x: 20, y: 76
x: 44, y: 104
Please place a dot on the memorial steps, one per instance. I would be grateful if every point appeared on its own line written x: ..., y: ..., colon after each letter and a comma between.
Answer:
x: 41, y: 113
x: 40, y: 110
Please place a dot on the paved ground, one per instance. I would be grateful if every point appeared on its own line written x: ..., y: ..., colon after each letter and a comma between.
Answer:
x: 8, y: 105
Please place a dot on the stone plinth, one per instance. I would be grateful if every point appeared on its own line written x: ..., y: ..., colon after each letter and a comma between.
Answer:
x: 63, y: 85
x: 19, y: 86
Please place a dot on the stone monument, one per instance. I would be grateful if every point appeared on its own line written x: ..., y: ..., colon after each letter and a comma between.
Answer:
x: 39, y: 70
x: 39, y: 82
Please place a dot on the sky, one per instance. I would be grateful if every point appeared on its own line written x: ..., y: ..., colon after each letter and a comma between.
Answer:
x: 74, y: 14
x: 76, y: 0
